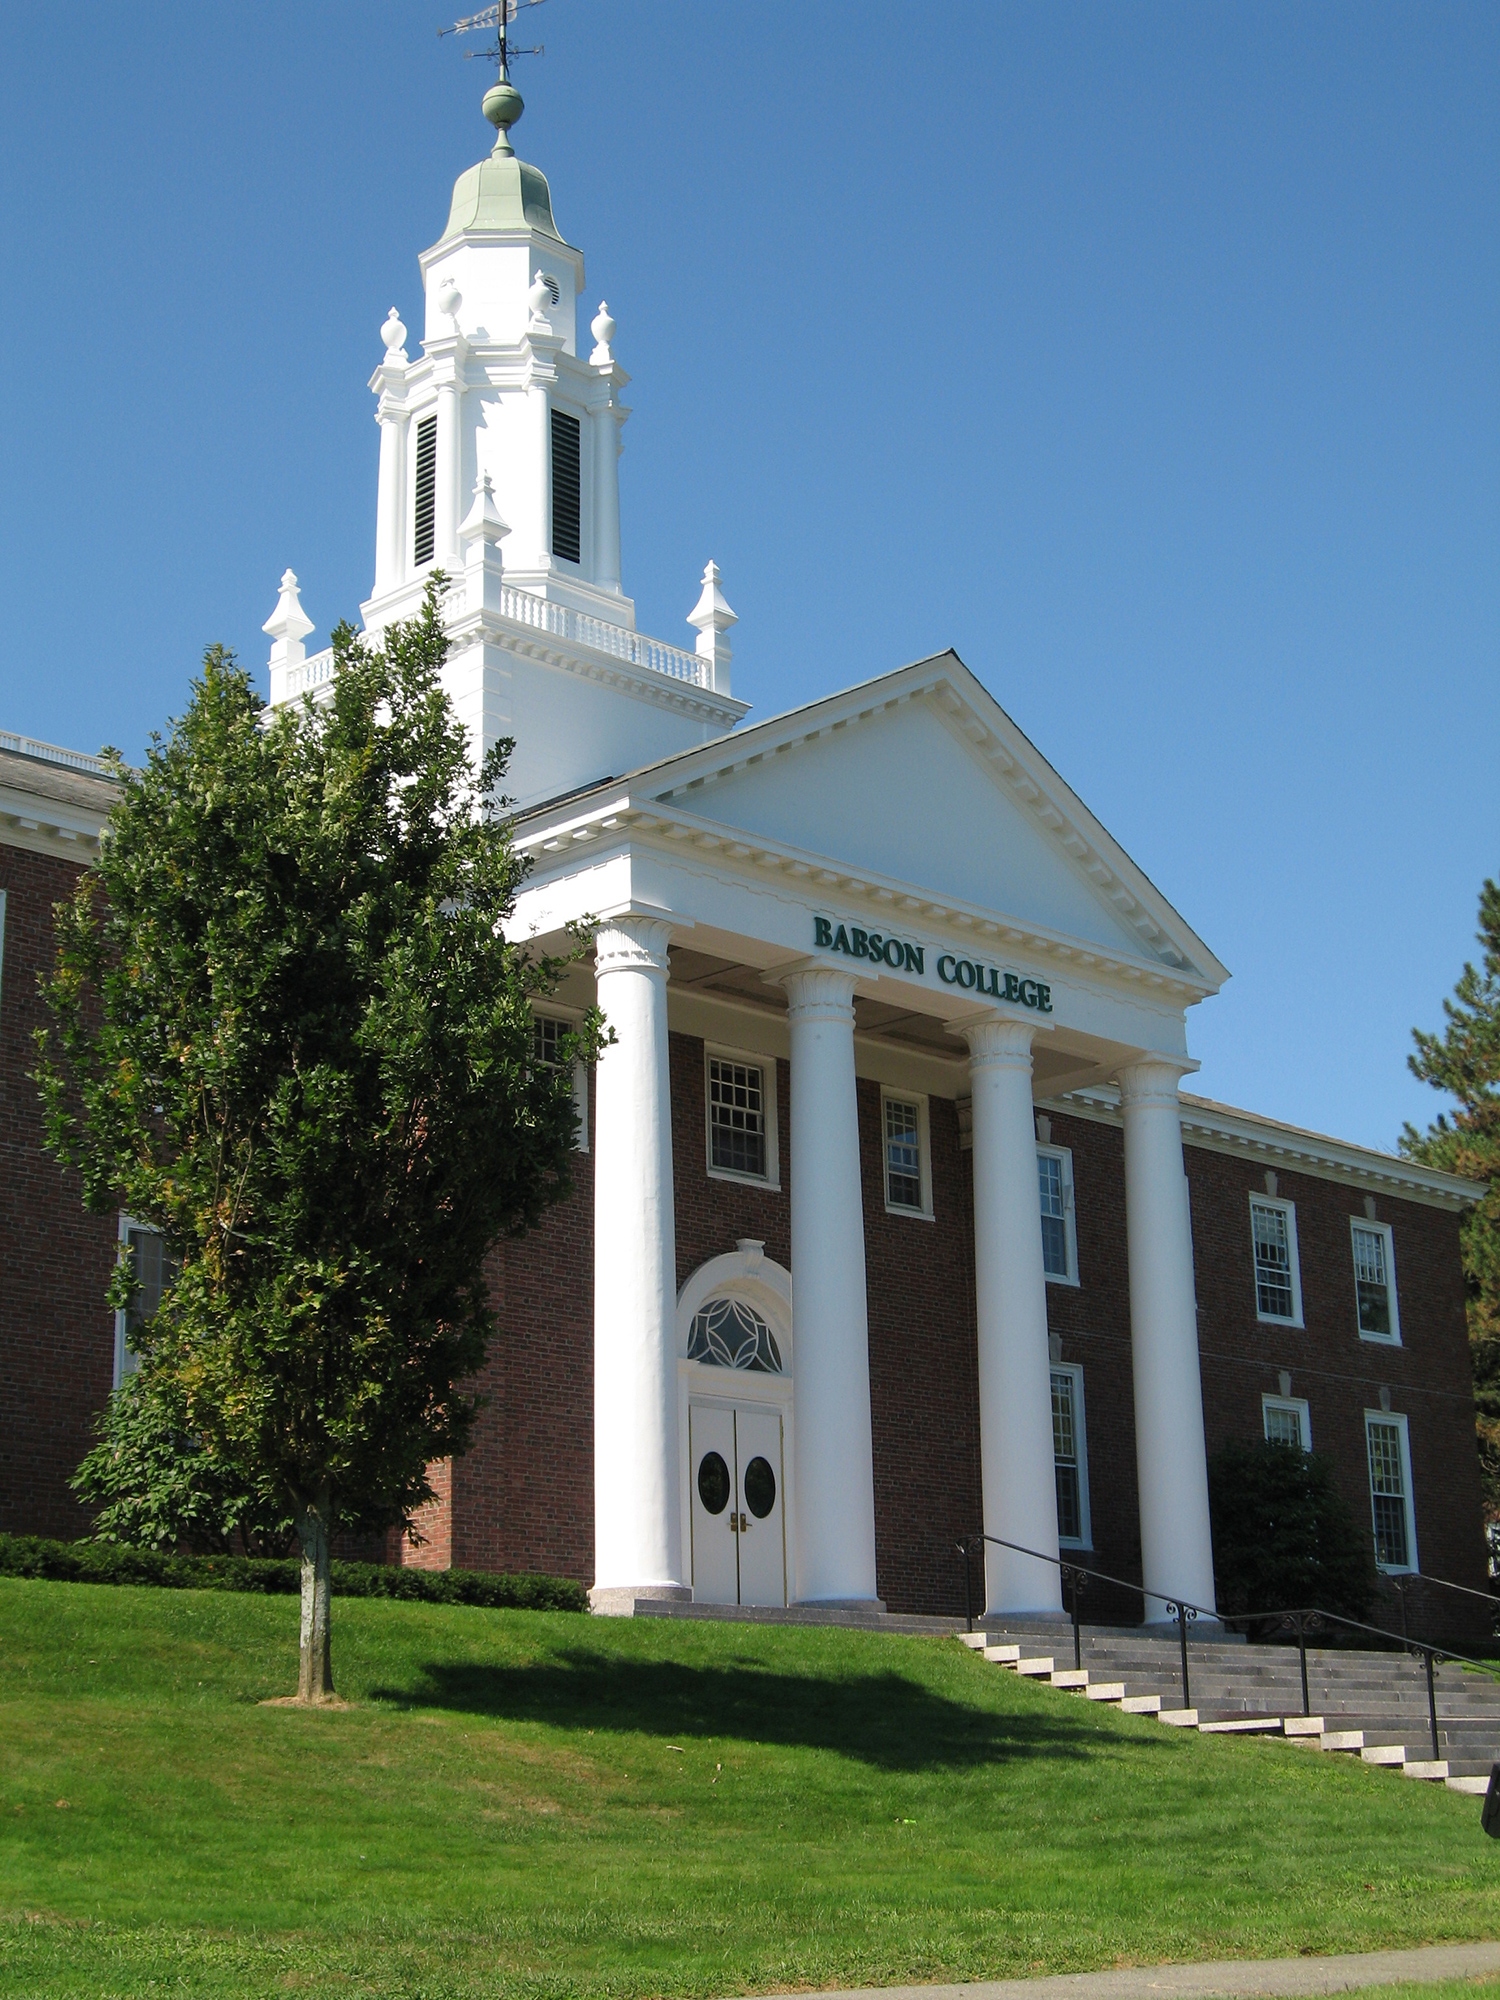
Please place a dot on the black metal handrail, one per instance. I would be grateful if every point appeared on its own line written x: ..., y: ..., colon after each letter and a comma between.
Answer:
x: 1298, y: 1622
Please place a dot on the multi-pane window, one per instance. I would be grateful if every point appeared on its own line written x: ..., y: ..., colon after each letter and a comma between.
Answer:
x: 737, y: 1117
x: 903, y: 1153
x: 1278, y: 1292
x: 547, y: 1033
x: 152, y: 1269
x: 1390, y: 1491
x: 1068, y: 1456
x: 1375, y: 1282
x: 1054, y: 1172
x: 1286, y: 1421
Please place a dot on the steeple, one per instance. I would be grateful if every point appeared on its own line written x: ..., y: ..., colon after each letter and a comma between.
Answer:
x: 499, y: 466
x: 501, y: 392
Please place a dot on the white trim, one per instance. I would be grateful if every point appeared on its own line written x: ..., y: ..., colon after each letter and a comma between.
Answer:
x: 918, y: 1099
x: 1295, y: 1406
x: 1221, y: 1128
x: 1393, y: 1338
x: 122, y: 1319
x: 1074, y: 1369
x: 752, y: 1059
x: 1289, y: 1210
x: 1070, y: 1227
x: 1411, y: 1566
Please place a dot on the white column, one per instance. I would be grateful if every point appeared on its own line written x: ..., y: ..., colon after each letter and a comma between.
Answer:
x: 1010, y: 1291
x: 1171, y: 1468
x: 447, y: 506
x: 390, y: 508
x: 835, y: 1495
x: 606, y: 484
x: 637, y: 1506
x: 540, y: 405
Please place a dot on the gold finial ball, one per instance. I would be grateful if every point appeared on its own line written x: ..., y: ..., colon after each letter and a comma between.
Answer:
x: 503, y: 104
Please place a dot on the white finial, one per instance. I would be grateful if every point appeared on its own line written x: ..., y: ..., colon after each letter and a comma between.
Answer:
x: 288, y: 625
x: 483, y: 521
x: 479, y: 536
x: 539, y: 298
x: 713, y: 618
x: 393, y: 333
x: 449, y: 298
x: 603, y: 330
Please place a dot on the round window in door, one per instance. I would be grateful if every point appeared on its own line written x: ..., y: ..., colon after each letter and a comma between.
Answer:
x: 760, y: 1487
x: 713, y: 1482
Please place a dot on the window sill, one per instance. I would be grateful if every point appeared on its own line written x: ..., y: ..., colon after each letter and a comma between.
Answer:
x: 1053, y: 1278
x: 911, y: 1214
x: 1381, y: 1339
x: 1397, y: 1569
x: 1273, y: 1319
x: 745, y: 1180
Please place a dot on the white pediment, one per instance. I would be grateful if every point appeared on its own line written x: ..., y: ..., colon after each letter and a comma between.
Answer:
x: 920, y: 777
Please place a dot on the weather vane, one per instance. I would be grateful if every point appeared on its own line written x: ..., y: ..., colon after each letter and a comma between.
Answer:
x: 499, y: 18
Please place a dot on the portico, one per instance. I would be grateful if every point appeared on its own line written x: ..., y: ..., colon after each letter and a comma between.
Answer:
x: 716, y: 926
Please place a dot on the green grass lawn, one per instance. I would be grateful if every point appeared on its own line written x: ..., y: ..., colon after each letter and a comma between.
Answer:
x: 528, y: 1803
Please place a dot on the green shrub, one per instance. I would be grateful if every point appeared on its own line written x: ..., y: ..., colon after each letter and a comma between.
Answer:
x: 108, y: 1562
x: 1284, y: 1535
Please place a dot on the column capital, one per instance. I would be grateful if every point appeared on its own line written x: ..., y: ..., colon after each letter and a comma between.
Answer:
x: 632, y: 944
x: 1152, y: 1079
x: 997, y: 1041
x: 819, y: 993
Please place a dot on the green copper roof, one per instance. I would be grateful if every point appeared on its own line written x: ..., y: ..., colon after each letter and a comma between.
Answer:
x: 502, y: 192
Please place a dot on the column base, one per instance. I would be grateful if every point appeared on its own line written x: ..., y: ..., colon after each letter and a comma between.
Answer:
x: 618, y: 1600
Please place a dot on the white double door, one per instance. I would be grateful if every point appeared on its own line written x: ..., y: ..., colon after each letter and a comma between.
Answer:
x: 738, y: 1505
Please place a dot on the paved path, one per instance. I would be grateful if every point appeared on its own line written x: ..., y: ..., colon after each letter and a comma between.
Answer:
x: 1231, y: 1977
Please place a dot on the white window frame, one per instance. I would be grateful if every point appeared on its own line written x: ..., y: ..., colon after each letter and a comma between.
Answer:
x: 1393, y: 1338
x: 1411, y: 1567
x: 1070, y: 1230
x: 1081, y: 1438
x: 924, y: 1155
x: 123, y: 1356
x: 1295, y: 1406
x: 569, y: 1017
x: 753, y: 1059
x: 1289, y: 1210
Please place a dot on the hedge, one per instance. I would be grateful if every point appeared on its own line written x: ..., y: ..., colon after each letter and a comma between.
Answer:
x: 107, y: 1562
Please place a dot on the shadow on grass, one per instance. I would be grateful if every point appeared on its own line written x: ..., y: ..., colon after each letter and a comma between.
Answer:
x: 881, y: 1718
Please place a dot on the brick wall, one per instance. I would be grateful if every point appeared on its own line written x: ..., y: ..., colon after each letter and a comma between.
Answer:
x: 56, y: 1333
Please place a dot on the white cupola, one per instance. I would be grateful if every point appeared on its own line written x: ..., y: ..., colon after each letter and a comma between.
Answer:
x: 499, y: 466
x: 501, y: 395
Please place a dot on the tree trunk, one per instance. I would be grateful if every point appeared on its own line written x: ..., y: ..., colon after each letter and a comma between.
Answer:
x: 315, y: 1532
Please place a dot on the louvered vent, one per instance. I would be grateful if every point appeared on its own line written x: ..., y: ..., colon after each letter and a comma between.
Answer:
x: 425, y: 512
x: 566, y: 487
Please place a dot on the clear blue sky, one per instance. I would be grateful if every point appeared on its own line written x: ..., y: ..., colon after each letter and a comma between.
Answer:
x: 1145, y: 353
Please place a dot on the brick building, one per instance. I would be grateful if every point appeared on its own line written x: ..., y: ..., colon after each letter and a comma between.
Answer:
x: 891, y: 1218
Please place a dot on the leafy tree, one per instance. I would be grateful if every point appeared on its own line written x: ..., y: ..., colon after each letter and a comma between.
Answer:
x: 1464, y: 1061
x: 289, y: 1032
x: 152, y: 1484
x: 1285, y: 1538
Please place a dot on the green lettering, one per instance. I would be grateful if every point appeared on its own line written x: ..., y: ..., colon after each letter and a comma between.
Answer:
x: 1012, y: 987
x: 1028, y: 992
x: 841, y: 941
x: 1043, y: 998
x: 913, y: 954
x: 877, y: 945
x: 950, y: 975
x: 822, y: 932
x: 894, y: 957
x: 861, y: 943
